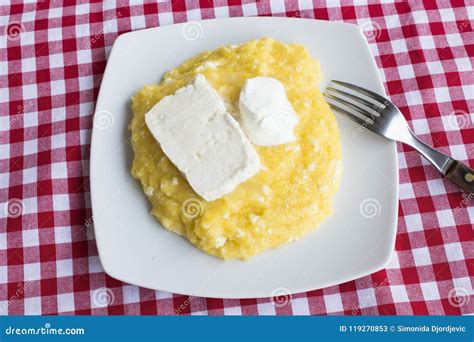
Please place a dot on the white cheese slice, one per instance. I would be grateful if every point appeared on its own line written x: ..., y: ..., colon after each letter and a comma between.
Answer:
x: 267, y: 115
x: 202, y: 140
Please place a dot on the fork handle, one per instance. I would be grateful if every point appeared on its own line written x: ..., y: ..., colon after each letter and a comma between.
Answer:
x: 461, y: 175
x: 454, y: 170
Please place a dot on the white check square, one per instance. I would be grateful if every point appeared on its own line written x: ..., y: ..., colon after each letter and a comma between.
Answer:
x: 366, y: 298
x: 406, y: 71
x: 56, y: 60
x: 32, y: 305
x: 436, y: 186
x: 333, y: 303
x: 58, y: 87
x: 30, y: 175
x: 131, y: 294
x: 435, y: 67
x: 442, y: 94
x: 30, y: 205
x: 399, y: 45
x: 454, y: 251
x: 58, y: 140
x: 421, y: 256
x: 406, y: 191
x: 32, y: 272
x: 413, y: 223
x: 64, y: 268
x: 28, y: 64
x: 66, y: 302
x: 399, y: 293
x: 445, y: 218
x: 30, y: 237
x: 413, y: 98
x: 420, y: 126
x: 62, y: 234
x: 61, y: 202
x: 430, y: 291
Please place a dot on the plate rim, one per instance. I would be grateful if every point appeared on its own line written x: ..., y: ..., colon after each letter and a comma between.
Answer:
x: 93, y: 151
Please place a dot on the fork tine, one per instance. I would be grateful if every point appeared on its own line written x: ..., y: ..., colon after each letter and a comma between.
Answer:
x: 350, y: 105
x: 374, y: 106
x: 364, y: 91
x: 365, y: 123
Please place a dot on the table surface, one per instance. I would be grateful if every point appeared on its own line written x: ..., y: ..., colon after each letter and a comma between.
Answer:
x: 52, y: 60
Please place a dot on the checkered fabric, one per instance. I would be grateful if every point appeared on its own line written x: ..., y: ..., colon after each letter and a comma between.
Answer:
x: 52, y: 57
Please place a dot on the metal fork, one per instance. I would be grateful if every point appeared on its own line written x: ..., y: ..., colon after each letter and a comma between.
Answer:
x: 381, y: 116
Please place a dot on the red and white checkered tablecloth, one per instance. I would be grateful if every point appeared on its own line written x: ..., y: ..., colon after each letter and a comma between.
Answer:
x: 52, y: 57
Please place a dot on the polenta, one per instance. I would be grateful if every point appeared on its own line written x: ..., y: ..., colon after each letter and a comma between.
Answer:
x: 294, y: 191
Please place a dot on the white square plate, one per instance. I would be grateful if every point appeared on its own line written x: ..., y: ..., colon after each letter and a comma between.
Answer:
x: 356, y: 240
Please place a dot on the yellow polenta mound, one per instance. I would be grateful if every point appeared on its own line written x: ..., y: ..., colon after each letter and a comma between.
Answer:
x: 293, y: 193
